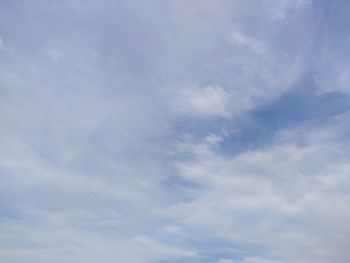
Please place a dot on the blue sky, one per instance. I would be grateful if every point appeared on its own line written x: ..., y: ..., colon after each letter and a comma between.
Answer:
x: 174, y: 131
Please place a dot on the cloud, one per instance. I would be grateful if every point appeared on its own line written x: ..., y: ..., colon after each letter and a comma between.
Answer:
x: 273, y: 197
x: 249, y: 42
x: 54, y: 54
x: 169, y: 251
x: 226, y: 261
x: 208, y: 101
x: 174, y: 131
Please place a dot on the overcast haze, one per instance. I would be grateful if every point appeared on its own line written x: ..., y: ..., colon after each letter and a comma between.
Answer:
x: 178, y: 131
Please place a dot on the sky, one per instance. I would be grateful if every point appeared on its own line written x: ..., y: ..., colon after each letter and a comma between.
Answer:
x: 178, y: 131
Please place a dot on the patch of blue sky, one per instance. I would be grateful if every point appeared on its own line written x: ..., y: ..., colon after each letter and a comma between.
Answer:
x: 299, y: 106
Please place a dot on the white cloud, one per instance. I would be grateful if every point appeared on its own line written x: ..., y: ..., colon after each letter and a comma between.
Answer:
x: 226, y: 261
x: 55, y: 54
x: 211, y: 101
x: 251, y: 43
x: 259, y: 260
x: 163, y: 249
x: 274, y: 198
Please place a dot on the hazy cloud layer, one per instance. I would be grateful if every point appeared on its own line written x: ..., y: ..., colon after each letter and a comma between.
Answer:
x: 174, y: 131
